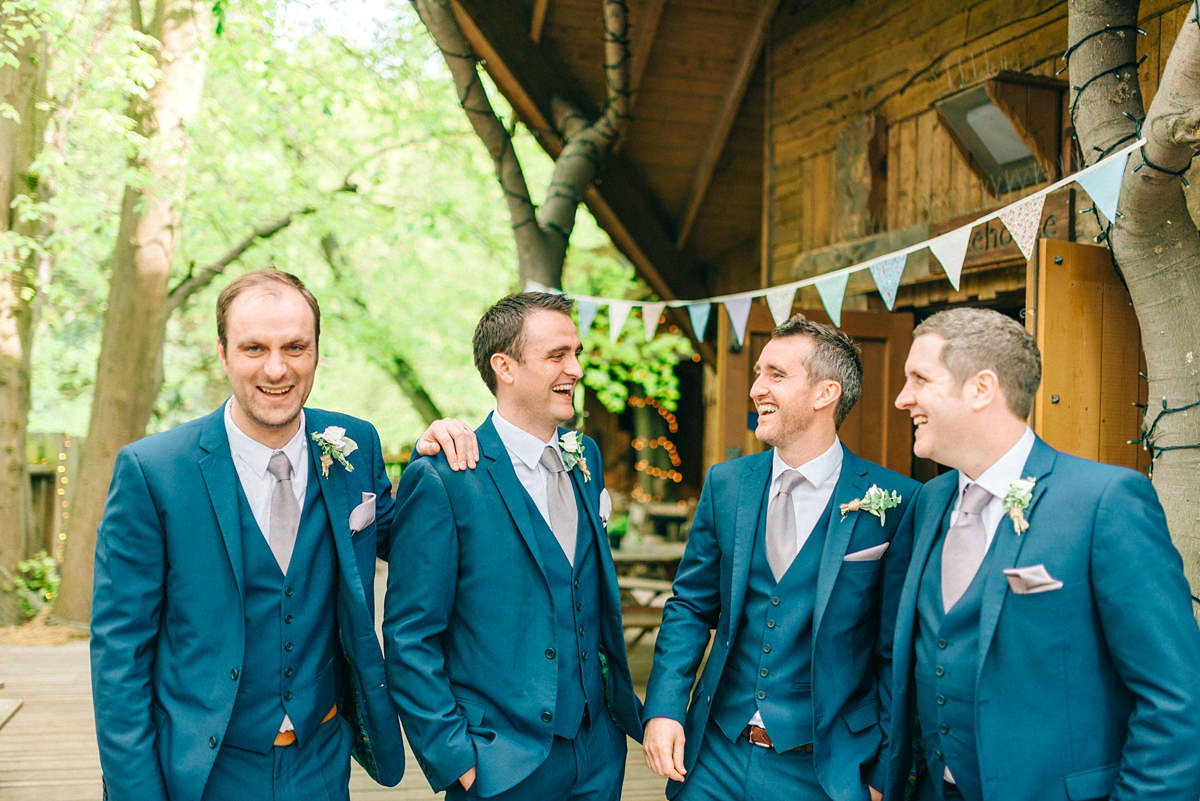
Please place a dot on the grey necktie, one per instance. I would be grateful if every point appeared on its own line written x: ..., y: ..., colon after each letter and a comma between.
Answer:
x: 564, y: 514
x: 285, y: 510
x: 782, y: 543
x: 965, y: 546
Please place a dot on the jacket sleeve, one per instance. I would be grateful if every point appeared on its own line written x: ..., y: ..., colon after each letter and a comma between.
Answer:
x: 127, y: 604
x: 420, y: 599
x: 385, y: 505
x: 688, y: 616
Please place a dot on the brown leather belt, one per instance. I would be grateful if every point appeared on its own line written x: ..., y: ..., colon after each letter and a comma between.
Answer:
x: 757, y: 735
x: 288, y: 737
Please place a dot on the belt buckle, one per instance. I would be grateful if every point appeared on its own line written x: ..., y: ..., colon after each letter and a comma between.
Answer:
x: 758, y: 736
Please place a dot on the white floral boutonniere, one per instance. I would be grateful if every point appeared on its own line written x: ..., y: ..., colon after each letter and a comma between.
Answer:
x: 571, y: 447
x: 334, y: 444
x: 1016, y: 501
x: 877, y: 501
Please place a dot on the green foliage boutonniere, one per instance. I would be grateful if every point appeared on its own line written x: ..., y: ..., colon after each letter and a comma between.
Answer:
x: 334, y: 444
x: 877, y: 501
x: 571, y: 446
x: 1016, y: 501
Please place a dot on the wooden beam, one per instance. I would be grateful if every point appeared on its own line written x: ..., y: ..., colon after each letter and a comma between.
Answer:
x: 645, y: 31
x: 539, y: 20
x: 735, y: 91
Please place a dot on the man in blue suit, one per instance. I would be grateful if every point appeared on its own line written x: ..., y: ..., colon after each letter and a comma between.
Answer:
x: 505, y: 653
x: 799, y: 579
x: 1045, y: 643
x: 233, y: 647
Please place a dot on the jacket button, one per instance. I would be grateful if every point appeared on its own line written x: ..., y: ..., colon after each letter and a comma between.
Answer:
x: 767, y: 648
x: 287, y: 646
x: 775, y: 601
x: 287, y: 696
x: 547, y: 717
x: 763, y: 672
x: 770, y: 624
x: 287, y: 618
x: 289, y: 592
x: 941, y: 643
x: 939, y: 671
x: 943, y: 728
x: 941, y: 699
x: 212, y: 742
x: 761, y: 695
x: 288, y: 672
x: 550, y: 653
x: 233, y: 674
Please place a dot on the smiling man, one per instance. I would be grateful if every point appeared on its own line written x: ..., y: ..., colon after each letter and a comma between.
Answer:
x: 1044, y: 644
x: 503, y: 636
x: 786, y: 562
x: 233, y: 646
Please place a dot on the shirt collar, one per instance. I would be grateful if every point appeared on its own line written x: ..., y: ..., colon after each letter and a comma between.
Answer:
x: 256, y: 455
x: 816, y: 471
x: 519, y: 442
x: 1005, y: 470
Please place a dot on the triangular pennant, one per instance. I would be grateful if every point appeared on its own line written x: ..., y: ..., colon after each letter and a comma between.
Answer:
x: 887, y: 277
x: 832, y: 290
x: 698, y: 314
x: 587, y: 315
x: 739, y: 312
x: 950, y: 249
x: 1103, y: 184
x: 1023, y: 220
x: 779, y: 301
x: 618, y: 313
x: 650, y: 315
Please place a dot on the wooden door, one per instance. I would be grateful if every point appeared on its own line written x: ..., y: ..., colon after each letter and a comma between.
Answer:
x: 1091, y: 355
x: 875, y: 429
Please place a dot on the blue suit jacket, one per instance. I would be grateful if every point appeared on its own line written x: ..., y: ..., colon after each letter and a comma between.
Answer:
x: 1084, y: 692
x: 469, y: 620
x: 168, y: 627
x: 855, y: 602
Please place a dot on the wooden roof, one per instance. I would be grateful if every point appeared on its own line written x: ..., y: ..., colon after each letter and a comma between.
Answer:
x: 682, y: 193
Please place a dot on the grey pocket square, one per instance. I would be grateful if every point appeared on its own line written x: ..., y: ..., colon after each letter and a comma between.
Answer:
x: 363, y: 514
x: 1030, y: 580
x: 872, y: 554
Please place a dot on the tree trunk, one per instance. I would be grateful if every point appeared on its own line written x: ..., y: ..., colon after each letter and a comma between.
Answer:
x: 1154, y: 240
x: 21, y: 85
x: 135, y: 320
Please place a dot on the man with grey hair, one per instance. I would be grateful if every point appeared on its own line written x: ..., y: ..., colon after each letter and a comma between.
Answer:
x: 1044, y: 644
x: 795, y: 558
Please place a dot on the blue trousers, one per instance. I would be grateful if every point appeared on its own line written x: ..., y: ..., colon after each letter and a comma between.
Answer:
x: 590, y: 767
x: 736, y: 770
x: 317, y: 770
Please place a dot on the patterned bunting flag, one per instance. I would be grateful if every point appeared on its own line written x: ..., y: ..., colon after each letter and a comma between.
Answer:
x: 587, y: 315
x: 698, y: 314
x: 1023, y: 219
x: 1103, y: 184
x: 887, y: 274
x: 832, y: 290
x: 650, y: 315
x: 779, y: 301
x: 950, y: 249
x: 739, y: 312
x: 618, y: 312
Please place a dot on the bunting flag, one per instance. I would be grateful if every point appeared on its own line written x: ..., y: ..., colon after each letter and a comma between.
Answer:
x: 587, y: 315
x: 618, y: 313
x: 886, y: 273
x: 650, y: 315
x: 698, y: 314
x: 950, y: 249
x: 739, y: 312
x: 832, y: 290
x: 779, y: 301
x: 1103, y: 185
x: 1023, y: 220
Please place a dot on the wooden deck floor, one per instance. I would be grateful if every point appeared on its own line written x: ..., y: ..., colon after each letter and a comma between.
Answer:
x: 48, y: 748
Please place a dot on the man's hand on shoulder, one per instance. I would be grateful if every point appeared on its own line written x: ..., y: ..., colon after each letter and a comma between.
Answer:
x: 662, y: 747
x: 453, y: 438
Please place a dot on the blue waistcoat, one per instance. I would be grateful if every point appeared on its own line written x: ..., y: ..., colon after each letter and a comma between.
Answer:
x: 947, y: 645
x: 770, y: 664
x: 290, y: 638
x: 575, y: 594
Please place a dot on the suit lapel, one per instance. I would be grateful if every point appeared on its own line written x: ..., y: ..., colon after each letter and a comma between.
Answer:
x: 852, y: 483
x: 590, y: 505
x: 753, y: 481
x: 335, y: 492
x: 221, y: 481
x: 1008, y: 544
x: 494, y: 459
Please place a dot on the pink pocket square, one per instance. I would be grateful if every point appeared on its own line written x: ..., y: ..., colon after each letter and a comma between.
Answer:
x: 605, y: 507
x: 1030, y: 580
x: 872, y: 554
x: 363, y: 514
